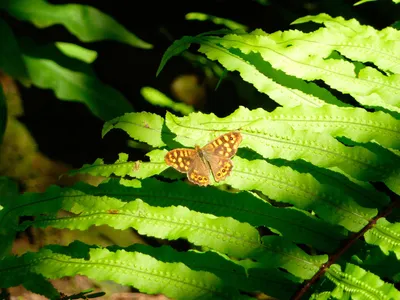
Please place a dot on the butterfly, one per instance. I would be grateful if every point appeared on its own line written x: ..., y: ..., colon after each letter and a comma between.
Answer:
x: 198, y: 162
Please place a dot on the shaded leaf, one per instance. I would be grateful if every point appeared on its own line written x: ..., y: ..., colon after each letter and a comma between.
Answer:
x: 11, y: 61
x: 85, y: 22
x: 102, y: 100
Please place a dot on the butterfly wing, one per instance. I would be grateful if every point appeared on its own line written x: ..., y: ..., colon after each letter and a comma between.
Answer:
x: 199, y: 173
x: 188, y: 161
x: 180, y: 159
x: 221, y: 167
x: 198, y: 162
x: 218, y: 154
x: 225, y: 145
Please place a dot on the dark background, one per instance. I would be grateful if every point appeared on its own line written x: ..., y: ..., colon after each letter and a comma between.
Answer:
x: 68, y: 132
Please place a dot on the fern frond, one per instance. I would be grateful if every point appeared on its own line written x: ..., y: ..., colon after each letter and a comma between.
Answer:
x: 223, y: 234
x: 70, y: 85
x: 369, y: 87
x: 85, y: 22
x: 353, y: 40
x: 156, y: 97
x: 272, y: 136
x: 235, y: 273
x: 76, y: 51
x: 354, y: 123
x: 8, y: 194
x: 122, y: 167
x: 291, y: 223
x: 272, y: 140
x: 260, y: 57
x: 284, y: 89
x: 359, y: 284
x: 362, y: 192
x: 393, y: 183
x: 216, y: 20
x: 145, y: 127
x: 372, y: 258
x: 386, y: 235
x: 15, y: 271
x: 14, y: 64
x: 301, y: 190
x: 129, y: 268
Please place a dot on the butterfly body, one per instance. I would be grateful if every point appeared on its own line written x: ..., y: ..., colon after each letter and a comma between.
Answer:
x: 215, y: 157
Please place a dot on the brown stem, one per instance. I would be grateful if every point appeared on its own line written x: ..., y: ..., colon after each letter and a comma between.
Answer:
x: 350, y: 241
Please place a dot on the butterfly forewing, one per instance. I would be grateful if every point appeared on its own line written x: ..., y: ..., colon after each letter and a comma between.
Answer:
x: 218, y: 153
x: 225, y: 145
x: 180, y: 159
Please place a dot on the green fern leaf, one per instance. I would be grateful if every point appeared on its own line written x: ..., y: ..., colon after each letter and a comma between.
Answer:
x: 303, y: 191
x: 216, y: 20
x: 374, y: 260
x: 76, y: 86
x: 155, y: 97
x: 360, y: 284
x: 321, y: 296
x: 85, y: 22
x: 145, y: 127
x: 369, y: 86
x: 8, y: 194
x: 223, y: 234
x: 175, y: 49
x: 291, y: 223
x: 122, y: 167
x: 273, y: 140
x: 385, y: 235
x: 15, y: 272
x: 354, y: 123
x: 282, y: 88
x: 352, y: 40
x: 11, y: 61
x: 393, y: 183
x: 362, y: 192
x: 275, y: 63
x: 279, y: 252
x: 78, y: 52
x: 128, y: 268
x: 280, y: 284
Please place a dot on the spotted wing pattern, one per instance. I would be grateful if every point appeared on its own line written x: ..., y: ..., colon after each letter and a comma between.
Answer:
x: 197, y: 162
x: 199, y: 172
x: 180, y: 159
x: 221, y: 167
x: 218, y: 153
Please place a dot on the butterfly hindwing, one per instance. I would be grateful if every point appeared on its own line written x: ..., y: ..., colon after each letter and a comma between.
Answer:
x: 199, y: 172
x: 221, y: 167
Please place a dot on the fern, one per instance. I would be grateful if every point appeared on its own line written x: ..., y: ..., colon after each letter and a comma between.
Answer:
x: 155, y: 97
x: 68, y: 72
x: 304, y: 203
x: 78, y: 19
x: 216, y: 20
